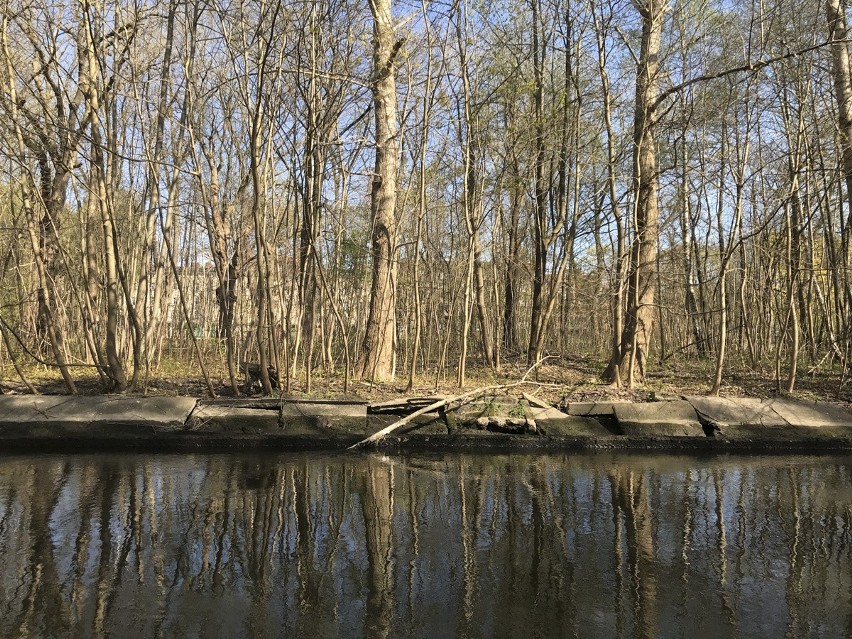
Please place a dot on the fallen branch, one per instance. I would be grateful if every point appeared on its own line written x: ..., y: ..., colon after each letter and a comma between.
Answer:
x: 535, y: 401
x: 446, y: 402
x: 426, y: 409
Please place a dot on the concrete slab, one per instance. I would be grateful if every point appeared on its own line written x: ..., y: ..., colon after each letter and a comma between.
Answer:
x: 736, y: 411
x: 323, y: 409
x: 273, y: 403
x: 304, y: 418
x: 571, y: 427
x: 320, y: 421
x: 780, y: 422
x: 810, y: 414
x: 102, y: 415
x: 131, y: 422
x: 540, y: 414
x: 783, y: 437
x: 226, y: 419
x: 424, y: 425
x: 658, y: 419
x: 593, y: 409
x: 484, y: 434
x: 552, y: 422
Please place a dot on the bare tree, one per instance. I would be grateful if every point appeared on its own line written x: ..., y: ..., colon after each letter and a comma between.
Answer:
x: 641, y: 293
x: 377, y: 359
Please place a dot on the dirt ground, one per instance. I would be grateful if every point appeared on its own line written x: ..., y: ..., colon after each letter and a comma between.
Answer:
x: 557, y: 381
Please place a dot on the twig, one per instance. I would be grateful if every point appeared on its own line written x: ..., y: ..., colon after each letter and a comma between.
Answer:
x: 14, y: 359
x: 8, y: 327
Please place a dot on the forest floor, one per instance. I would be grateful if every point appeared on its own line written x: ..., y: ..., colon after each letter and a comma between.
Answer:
x: 558, y: 381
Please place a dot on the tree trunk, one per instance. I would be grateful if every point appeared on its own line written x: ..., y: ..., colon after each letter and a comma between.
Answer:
x: 613, y: 369
x: 258, y: 217
x: 836, y: 16
x: 686, y: 226
x: 421, y: 210
x: 227, y: 269
x: 510, y: 289
x: 641, y: 292
x: 540, y: 200
x: 151, y: 309
x: 377, y: 355
x: 42, y: 231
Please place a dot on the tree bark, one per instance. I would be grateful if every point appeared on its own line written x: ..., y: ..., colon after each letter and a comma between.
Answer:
x: 377, y: 354
x: 641, y: 292
x: 510, y: 288
x: 540, y: 199
x: 228, y: 269
x: 837, y: 31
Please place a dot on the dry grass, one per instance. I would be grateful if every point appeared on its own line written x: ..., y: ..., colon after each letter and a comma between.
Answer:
x: 556, y: 380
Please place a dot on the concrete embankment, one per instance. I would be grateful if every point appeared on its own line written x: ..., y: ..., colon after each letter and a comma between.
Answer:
x: 64, y: 423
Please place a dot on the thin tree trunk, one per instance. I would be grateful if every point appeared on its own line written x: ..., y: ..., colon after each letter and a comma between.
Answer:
x: 21, y: 374
x: 540, y: 188
x: 421, y: 211
x: 38, y: 232
x: 613, y: 371
x: 510, y: 292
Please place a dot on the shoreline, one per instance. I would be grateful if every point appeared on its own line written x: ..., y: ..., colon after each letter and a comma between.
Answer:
x: 61, y: 423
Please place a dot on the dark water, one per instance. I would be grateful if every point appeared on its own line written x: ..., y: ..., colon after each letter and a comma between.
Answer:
x: 425, y: 546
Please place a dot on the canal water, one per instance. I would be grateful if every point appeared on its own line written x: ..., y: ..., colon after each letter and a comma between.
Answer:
x: 591, y: 545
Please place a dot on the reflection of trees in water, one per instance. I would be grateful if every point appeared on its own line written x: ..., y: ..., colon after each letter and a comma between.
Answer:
x: 376, y: 493
x: 464, y: 545
x: 38, y: 582
x: 633, y: 517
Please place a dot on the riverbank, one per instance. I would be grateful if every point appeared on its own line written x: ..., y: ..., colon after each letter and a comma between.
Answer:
x: 490, y: 422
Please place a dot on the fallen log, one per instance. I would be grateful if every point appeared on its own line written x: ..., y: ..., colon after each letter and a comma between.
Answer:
x: 397, y: 424
x: 464, y: 397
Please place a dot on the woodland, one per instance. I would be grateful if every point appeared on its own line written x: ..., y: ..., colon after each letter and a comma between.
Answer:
x: 424, y: 192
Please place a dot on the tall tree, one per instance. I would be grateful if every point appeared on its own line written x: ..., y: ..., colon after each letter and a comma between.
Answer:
x: 641, y: 291
x: 839, y: 36
x: 377, y: 359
